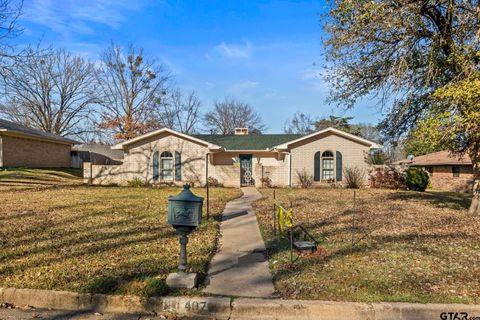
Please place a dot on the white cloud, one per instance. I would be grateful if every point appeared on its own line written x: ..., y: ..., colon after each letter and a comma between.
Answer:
x: 243, y: 50
x: 210, y: 85
x: 242, y: 87
x: 313, y: 77
x: 70, y: 17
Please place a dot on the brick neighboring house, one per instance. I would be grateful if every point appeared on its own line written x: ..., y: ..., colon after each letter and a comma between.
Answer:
x: 167, y: 156
x: 21, y: 146
x: 447, y: 172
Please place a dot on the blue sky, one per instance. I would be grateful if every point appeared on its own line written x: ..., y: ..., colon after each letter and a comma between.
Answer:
x: 266, y: 53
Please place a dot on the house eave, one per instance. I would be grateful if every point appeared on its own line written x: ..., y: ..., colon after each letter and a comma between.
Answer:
x: 122, y: 145
x: 18, y: 134
x: 371, y: 144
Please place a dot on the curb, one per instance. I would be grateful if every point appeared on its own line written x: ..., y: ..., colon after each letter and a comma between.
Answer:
x: 243, y: 309
x: 239, y: 309
x: 217, y: 307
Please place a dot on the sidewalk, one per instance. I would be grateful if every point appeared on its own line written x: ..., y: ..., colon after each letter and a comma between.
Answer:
x: 240, y: 268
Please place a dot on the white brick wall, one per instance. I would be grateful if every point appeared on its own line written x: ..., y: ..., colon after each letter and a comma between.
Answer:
x: 222, y: 166
x: 138, y: 162
x: 303, y: 153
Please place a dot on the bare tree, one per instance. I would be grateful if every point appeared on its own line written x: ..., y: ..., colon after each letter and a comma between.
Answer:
x: 180, y: 112
x: 133, y: 88
x: 10, y: 12
x: 300, y: 123
x: 53, y: 92
x: 230, y: 114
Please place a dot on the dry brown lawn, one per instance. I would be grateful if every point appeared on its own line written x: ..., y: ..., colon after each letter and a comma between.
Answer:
x: 58, y: 234
x: 408, y: 246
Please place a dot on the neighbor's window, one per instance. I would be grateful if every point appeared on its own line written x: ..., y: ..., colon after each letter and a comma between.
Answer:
x: 430, y: 170
x: 327, y: 165
x: 456, y: 171
x: 166, y: 166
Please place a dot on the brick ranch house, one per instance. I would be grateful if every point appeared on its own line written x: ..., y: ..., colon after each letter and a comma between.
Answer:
x: 21, y: 146
x: 447, y: 172
x: 167, y: 156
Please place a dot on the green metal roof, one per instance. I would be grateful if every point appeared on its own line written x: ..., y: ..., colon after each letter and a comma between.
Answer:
x: 249, y: 141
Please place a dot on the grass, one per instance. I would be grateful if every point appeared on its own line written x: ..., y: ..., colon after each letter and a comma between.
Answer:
x: 56, y: 233
x: 408, y: 246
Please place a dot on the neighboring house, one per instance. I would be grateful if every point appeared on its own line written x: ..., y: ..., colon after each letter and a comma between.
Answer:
x: 21, y: 146
x: 447, y: 172
x: 167, y: 156
x: 95, y: 153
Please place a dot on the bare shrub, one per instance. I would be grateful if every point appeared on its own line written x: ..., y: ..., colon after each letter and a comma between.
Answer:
x: 213, y: 182
x: 305, y: 179
x: 387, y: 177
x: 266, y: 182
x: 354, y: 177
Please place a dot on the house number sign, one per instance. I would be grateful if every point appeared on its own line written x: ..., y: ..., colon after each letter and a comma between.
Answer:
x: 195, y: 306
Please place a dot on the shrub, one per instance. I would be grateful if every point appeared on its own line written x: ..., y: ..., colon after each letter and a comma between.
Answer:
x: 354, y: 177
x: 416, y: 179
x: 213, y: 182
x: 305, y: 179
x: 266, y: 182
x: 387, y: 177
x: 136, y: 183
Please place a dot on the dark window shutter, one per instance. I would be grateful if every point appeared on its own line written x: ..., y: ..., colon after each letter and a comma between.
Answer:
x: 339, y: 165
x: 155, y: 166
x: 316, y: 172
x: 178, y: 166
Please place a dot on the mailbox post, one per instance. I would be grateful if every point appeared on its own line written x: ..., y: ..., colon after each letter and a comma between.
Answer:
x: 185, y: 215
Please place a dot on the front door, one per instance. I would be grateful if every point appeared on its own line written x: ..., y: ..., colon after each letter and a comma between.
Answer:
x: 246, y: 176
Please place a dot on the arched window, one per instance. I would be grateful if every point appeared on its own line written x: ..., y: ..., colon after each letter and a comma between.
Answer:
x: 316, y: 165
x: 327, y: 165
x: 166, y: 166
x: 155, y: 166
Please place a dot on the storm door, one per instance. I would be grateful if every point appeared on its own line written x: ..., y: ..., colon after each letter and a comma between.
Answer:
x: 246, y: 175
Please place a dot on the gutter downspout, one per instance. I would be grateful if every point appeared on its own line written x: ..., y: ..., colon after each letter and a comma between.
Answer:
x: 207, y: 158
x: 289, y: 170
x: 1, y: 152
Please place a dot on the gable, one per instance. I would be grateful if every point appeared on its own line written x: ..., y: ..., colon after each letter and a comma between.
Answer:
x: 341, y: 136
x: 159, y: 134
x: 161, y: 137
x: 328, y: 138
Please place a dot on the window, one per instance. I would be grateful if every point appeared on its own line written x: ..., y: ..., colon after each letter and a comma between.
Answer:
x: 327, y: 165
x: 456, y: 171
x: 429, y: 170
x: 166, y: 166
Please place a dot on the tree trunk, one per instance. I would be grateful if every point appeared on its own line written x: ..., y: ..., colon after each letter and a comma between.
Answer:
x: 475, y: 205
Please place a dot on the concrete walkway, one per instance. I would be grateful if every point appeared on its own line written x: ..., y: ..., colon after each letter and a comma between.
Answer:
x: 240, y: 268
